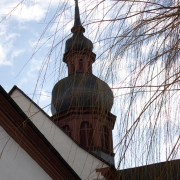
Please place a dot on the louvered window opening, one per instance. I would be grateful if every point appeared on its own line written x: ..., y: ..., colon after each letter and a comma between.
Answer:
x: 86, y: 134
x: 80, y: 65
x: 104, y: 137
x: 73, y: 67
x: 89, y: 67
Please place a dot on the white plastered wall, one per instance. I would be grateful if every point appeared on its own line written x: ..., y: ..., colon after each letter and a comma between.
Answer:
x: 15, y: 163
x: 83, y: 163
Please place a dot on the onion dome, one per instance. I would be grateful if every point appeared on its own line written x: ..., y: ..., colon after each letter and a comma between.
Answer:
x: 81, y: 90
x: 78, y: 41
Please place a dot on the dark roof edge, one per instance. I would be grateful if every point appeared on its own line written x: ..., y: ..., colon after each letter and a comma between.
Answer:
x: 148, y: 165
x: 23, y: 115
x: 15, y: 87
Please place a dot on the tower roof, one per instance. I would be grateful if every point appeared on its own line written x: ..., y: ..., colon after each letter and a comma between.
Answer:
x: 82, y: 89
x: 78, y: 42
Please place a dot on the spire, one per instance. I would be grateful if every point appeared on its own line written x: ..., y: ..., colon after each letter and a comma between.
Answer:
x: 78, y: 42
x: 77, y: 21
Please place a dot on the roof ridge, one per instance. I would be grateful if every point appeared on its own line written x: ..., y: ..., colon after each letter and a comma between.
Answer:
x: 36, y: 130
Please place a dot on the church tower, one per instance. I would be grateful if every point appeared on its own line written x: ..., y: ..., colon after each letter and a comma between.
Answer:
x: 81, y: 103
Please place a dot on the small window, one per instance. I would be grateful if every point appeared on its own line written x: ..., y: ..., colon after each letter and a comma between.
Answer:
x: 86, y: 134
x: 73, y: 67
x: 104, y: 137
x: 66, y: 128
x: 89, y: 66
x: 80, y: 65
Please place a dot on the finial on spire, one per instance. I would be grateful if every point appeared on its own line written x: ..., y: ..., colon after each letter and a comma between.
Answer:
x: 77, y: 20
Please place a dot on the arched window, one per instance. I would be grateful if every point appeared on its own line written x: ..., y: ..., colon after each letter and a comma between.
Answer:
x: 89, y: 66
x: 104, y: 137
x: 80, y: 65
x: 73, y: 67
x: 67, y: 129
x: 86, y: 134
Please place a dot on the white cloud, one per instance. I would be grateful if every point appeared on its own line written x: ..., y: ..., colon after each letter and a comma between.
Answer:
x: 35, y: 66
x: 17, y: 53
x: 22, y: 82
x: 44, y: 96
x: 3, y: 61
x: 7, y: 50
x: 29, y: 13
x: 6, y: 47
x: 26, y: 10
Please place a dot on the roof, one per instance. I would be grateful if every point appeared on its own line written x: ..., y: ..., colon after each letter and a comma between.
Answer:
x: 169, y: 170
x: 15, y: 87
x: 82, y: 90
x: 24, y: 132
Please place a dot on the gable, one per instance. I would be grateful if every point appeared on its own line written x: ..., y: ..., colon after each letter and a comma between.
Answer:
x: 15, y: 124
x: 16, y: 163
x: 83, y: 163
